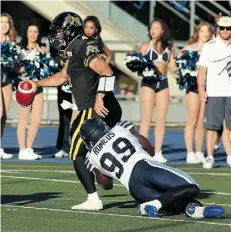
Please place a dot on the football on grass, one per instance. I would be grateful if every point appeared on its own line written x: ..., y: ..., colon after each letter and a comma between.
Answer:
x: 103, y: 181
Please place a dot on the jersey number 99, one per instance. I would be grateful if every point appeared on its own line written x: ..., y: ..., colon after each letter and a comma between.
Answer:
x: 109, y: 161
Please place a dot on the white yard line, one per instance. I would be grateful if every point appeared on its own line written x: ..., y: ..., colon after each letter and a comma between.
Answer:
x: 116, y: 215
x: 65, y: 171
x: 210, y: 174
x: 78, y: 182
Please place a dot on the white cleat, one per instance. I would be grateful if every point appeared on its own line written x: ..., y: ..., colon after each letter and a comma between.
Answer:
x: 89, y: 205
x: 211, y: 211
x: 159, y: 158
x: 61, y: 154
x: 28, y: 154
x: 141, y: 210
x: 209, y: 162
x: 192, y: 158
x: 200, y: 156
x: 4, y: 155
x: 229, y: 160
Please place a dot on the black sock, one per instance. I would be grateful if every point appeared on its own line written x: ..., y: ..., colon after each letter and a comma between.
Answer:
x: 86, y: 177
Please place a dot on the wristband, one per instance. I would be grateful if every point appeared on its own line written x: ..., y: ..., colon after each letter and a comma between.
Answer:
x: 106, y: 84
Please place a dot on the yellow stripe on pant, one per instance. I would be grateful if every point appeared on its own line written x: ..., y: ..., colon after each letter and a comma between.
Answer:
x: 80, y: 139
x: 76, y: 132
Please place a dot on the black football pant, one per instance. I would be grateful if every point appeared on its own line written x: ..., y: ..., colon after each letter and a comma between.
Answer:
x: 78, y: 150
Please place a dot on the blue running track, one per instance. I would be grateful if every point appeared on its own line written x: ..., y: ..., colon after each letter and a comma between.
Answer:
x: 173, y: 149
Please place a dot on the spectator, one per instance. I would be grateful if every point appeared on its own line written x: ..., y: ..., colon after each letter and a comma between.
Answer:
x: 213, y: 69
x: 7, y: 34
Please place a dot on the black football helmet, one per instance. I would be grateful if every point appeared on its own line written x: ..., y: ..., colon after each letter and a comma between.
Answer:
x: 64, y: 28
x: 92, y: 131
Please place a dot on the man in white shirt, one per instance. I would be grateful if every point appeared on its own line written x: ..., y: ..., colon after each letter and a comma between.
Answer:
x: 213, y: 67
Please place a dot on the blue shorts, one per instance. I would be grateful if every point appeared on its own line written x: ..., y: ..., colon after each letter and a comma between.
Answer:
x: 150, y: 180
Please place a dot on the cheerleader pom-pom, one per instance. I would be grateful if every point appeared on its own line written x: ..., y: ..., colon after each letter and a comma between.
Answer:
x: 9, y: 54
x: 134, y: 61
x: 189, y: 60
x: 187, y: 66
x: 38, y: 65
x: 143, y: 66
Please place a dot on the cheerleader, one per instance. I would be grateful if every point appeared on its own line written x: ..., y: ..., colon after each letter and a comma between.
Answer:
x: 7, y: 34
x: 92, y: 28
x: 187, y: 64
x: 156, y: 93
x: 30, y: 43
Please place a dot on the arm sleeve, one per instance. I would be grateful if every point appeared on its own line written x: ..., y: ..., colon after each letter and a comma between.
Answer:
x: 125, y: 124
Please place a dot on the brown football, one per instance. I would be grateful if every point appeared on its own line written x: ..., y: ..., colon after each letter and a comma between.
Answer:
x: 146, y: 145
x: 103, y: 181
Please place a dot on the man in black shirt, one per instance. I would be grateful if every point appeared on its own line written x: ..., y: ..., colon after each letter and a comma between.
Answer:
x: 92, y: 84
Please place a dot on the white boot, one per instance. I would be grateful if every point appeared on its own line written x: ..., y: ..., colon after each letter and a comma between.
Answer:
x: 4, y: 155
x: 229, y: 160
x: 192, y: 158
x: 200, y: 156
x: 28, y: 154
x: 209, y: 162
x: 159, y: 158
x: 61, y: 154
x: 92, y: 203
x: 89, y: 205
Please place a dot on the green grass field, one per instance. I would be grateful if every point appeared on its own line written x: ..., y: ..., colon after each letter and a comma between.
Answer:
x: 38, y: 197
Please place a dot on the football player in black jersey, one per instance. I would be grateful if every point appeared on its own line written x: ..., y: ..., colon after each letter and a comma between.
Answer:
x: 92, y: 84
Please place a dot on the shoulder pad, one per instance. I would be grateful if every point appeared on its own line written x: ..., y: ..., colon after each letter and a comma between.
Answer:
x: 125, y: 124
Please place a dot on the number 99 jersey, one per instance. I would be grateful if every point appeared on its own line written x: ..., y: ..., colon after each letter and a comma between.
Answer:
x: 116, y: 153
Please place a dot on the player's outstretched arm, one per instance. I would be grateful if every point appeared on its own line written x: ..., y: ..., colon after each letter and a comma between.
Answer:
x: 147, y: 146
x: 54, y: 80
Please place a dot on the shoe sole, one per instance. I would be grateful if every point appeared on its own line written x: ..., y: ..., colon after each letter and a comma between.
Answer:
x: 198, y: 162
x: 4, y: 158
x: 213, y: 211
x: 151, y: 211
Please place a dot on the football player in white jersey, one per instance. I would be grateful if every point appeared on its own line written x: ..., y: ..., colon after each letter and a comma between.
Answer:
x: 120, y: 153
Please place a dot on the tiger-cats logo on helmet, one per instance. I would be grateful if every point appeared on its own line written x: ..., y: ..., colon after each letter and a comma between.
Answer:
x: 71, y: 20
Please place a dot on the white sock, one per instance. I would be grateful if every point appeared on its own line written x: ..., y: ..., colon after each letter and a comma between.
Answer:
x: 198, y: 212
x: 93, y: 196
x: 158, y: 153
x: 157, y: 204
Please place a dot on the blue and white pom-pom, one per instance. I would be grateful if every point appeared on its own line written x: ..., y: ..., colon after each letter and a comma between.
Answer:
x: 9, y: 54
x: 38, y: 65
x: 187, y: 66
x: 143, y: 66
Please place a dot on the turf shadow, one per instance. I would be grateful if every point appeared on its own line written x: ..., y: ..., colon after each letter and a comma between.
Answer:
x: 115, y: 195
x: 30, y: 198
x: 121, y: 205
x: 203, y: 195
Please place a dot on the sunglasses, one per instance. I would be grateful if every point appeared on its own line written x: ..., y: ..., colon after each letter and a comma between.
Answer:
x: 223, y: 28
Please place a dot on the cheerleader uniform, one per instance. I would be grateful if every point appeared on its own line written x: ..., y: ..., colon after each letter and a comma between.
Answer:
x: 153, y: 55
x: 194, y: 89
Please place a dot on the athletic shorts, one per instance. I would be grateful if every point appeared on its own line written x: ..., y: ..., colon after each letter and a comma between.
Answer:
x: 217, y: 109
x: 156, y: 86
